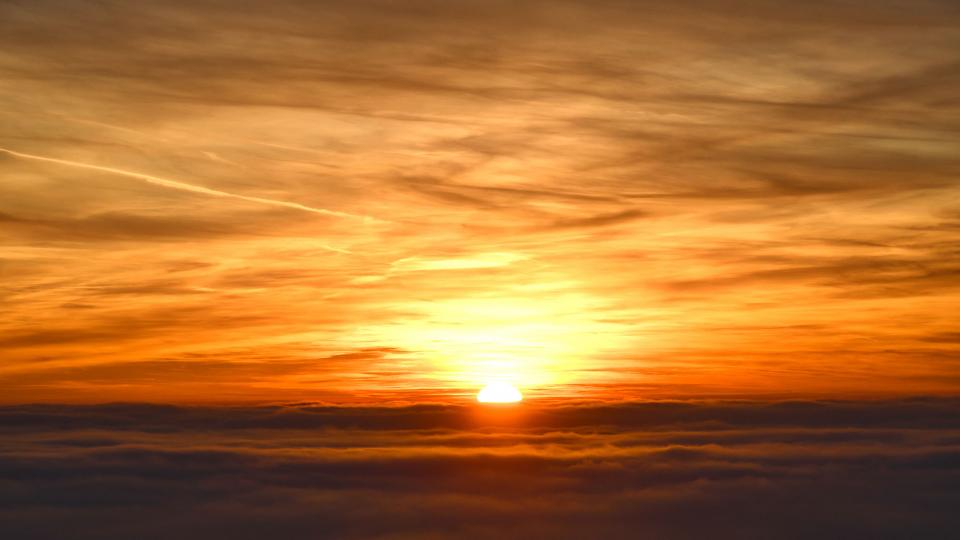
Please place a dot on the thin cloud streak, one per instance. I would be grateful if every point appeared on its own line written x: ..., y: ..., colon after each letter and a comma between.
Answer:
x: 175, y: 184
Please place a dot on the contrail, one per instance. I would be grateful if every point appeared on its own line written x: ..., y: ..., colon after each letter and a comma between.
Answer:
x: 183, y: 186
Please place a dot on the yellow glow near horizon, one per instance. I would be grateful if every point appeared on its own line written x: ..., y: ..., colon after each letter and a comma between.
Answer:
x: 531, y: 338
x: 499, y: 392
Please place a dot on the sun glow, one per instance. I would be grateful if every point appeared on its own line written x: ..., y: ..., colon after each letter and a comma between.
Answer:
x: 541, y: 334
x: 499, y: 392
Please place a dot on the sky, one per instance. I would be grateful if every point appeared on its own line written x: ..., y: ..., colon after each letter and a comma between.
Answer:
x: 258, y: 258
x: 213, y: 202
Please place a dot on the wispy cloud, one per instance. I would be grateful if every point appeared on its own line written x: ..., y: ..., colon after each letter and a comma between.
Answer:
x: 565, y: 192
x: 175, y: 184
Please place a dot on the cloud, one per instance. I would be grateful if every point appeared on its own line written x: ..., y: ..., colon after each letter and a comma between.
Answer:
x: 653, y: 178
x: 926, y: 413
x: 119, y: 227
x: 836, y: 469
x: 174, y: 184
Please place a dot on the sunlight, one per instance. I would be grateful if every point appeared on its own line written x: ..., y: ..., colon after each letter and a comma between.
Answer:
x: 499, y: 392
x: 535, y: 338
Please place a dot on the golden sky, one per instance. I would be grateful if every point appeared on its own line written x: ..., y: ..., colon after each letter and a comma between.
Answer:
x: 403, y: 201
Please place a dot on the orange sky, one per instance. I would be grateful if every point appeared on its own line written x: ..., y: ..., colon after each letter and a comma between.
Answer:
x: 404, y: 201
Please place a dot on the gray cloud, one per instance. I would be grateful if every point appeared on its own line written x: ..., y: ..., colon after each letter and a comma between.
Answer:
x: 831, y: 469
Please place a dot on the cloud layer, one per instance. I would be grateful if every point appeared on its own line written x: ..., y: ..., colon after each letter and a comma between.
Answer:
x: 669, y: 470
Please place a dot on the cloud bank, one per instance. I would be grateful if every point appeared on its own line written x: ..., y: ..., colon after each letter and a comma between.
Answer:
x: 673, y: 470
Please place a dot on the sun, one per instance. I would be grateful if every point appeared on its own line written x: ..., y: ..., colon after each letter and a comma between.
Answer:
x: 499, y: 392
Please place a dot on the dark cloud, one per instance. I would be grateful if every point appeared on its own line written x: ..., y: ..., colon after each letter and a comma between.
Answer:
x: 670, y: 470
x: 944, y: 337
x: 927, y: 413
x: 848, y: 275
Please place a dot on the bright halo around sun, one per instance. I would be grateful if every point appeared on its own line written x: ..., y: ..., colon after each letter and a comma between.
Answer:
x: 499, y: 392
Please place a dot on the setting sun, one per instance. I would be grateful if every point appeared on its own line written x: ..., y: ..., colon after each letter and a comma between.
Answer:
x: 499, y: 392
